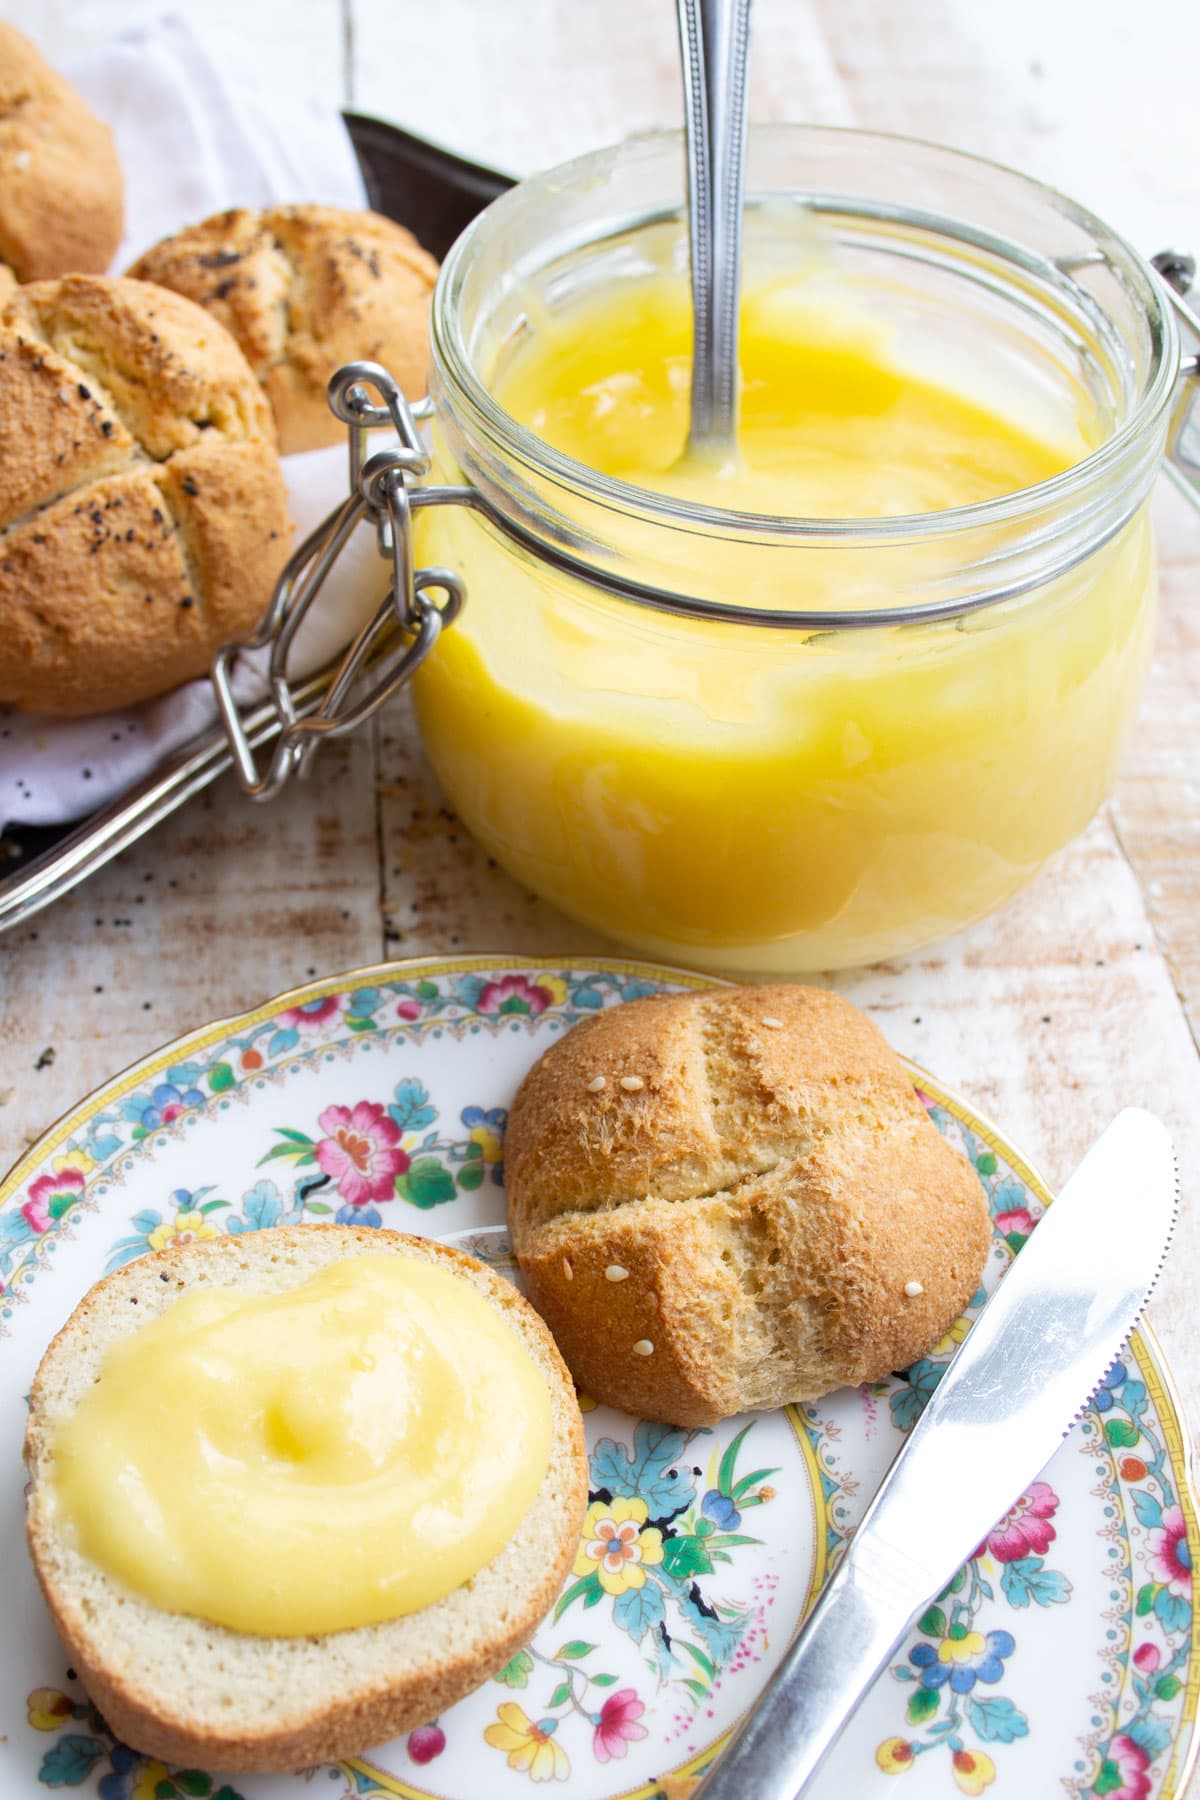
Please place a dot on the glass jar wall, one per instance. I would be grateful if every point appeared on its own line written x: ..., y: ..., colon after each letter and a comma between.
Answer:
x: 774, y: 745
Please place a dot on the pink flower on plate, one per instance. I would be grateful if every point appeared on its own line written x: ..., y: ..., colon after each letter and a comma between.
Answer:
x: 617, y: 1727
x: 1025, y: 1529
x: 1171, y: 1554
x: 36, y: 1209
x: 312, y: 1014
x: 50, y: 1196
x: 361, y: 1151
x: 1122, y: 1773
x: 1146, y: 1658
x: 409, y: 1009
x: 1019, y: 1221
x: 517, y: 994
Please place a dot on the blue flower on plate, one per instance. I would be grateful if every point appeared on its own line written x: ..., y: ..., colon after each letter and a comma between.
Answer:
x: 164, y: 1103
x: 127, y: 1766
x: 358, y: 1215
x: 720, y: 1509
x: 487, y: 1137
x: 1104, y: 1393
x: 962, y: 1658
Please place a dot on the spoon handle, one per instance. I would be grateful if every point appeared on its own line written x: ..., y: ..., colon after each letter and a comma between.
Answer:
x: 714, y: 38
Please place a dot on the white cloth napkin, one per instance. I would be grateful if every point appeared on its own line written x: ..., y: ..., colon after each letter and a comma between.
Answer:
x: 193, y: 141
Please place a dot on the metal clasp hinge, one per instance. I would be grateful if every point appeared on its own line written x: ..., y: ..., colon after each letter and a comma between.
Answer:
x: 1178, y: 272
x: 405, y: 627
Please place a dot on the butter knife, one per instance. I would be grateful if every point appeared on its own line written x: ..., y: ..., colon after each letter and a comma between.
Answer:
x: 1036, y: 1354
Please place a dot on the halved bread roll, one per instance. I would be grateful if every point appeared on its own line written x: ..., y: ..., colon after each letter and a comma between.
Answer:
x: 189, y: 1691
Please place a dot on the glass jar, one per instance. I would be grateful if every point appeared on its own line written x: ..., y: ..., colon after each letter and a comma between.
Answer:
x: 766, y: 745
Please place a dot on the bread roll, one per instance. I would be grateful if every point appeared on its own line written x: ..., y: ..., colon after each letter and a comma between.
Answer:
x: 143, y: 514
x: 192, y: 1692
x: 61, y: 195
x: 304, y: 289
x: 735, y: 1199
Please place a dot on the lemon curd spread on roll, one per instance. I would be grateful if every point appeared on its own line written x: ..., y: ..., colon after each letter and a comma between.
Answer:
x: 334, y: 1455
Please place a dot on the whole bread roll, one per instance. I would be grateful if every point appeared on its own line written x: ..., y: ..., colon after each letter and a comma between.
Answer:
x: 734, y: 1199
x: 190, y: 1691
x: 143, y: 513
x: 305, y: 289
x: 62, y: 199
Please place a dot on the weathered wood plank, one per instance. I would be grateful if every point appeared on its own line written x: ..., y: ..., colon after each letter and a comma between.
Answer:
x: 1156, y: 808
x: 226, y: 904
x: 529, y: 83
x: 1097, y: 101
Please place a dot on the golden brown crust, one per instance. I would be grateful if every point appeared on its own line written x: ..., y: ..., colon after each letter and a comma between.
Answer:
x: 56, y: 432
x: 171, y: 373
x: 304, y: 289
x: 143, y: 513
x: 375, y: 1708
x: 61, y: 197
x: 347, y: 1726
x: 764, y: 1196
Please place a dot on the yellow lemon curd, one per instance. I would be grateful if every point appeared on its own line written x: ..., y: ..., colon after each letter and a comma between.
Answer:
x: 759, y: 800
x: 336, y: 1454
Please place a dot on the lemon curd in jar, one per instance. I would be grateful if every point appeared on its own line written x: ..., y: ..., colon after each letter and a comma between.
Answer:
x: 754, y: 799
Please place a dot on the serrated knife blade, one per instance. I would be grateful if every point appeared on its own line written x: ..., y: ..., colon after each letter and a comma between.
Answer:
x: 1033, y: 1359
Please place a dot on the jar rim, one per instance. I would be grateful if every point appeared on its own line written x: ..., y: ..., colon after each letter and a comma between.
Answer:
x: 455, y: 365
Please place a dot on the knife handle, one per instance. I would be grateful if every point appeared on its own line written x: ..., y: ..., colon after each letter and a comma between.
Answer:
x: 844, y: 1644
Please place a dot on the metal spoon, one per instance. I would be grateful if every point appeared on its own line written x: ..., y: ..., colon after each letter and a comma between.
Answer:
x: 714, y: 40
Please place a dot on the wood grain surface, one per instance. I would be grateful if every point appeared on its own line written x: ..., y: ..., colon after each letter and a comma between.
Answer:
x: 1083, y: 995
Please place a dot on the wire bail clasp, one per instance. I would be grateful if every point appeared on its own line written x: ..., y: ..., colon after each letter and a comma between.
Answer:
x: 1178, y: 272
x: 404, y: 628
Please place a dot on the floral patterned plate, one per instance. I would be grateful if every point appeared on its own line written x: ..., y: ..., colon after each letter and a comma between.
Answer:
x: 1061, y: 1659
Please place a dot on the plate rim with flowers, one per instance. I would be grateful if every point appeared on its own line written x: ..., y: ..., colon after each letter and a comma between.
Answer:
x: 1144, y: 1350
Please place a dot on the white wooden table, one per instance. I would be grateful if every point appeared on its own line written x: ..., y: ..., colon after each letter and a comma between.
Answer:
x: 1085, y: 994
